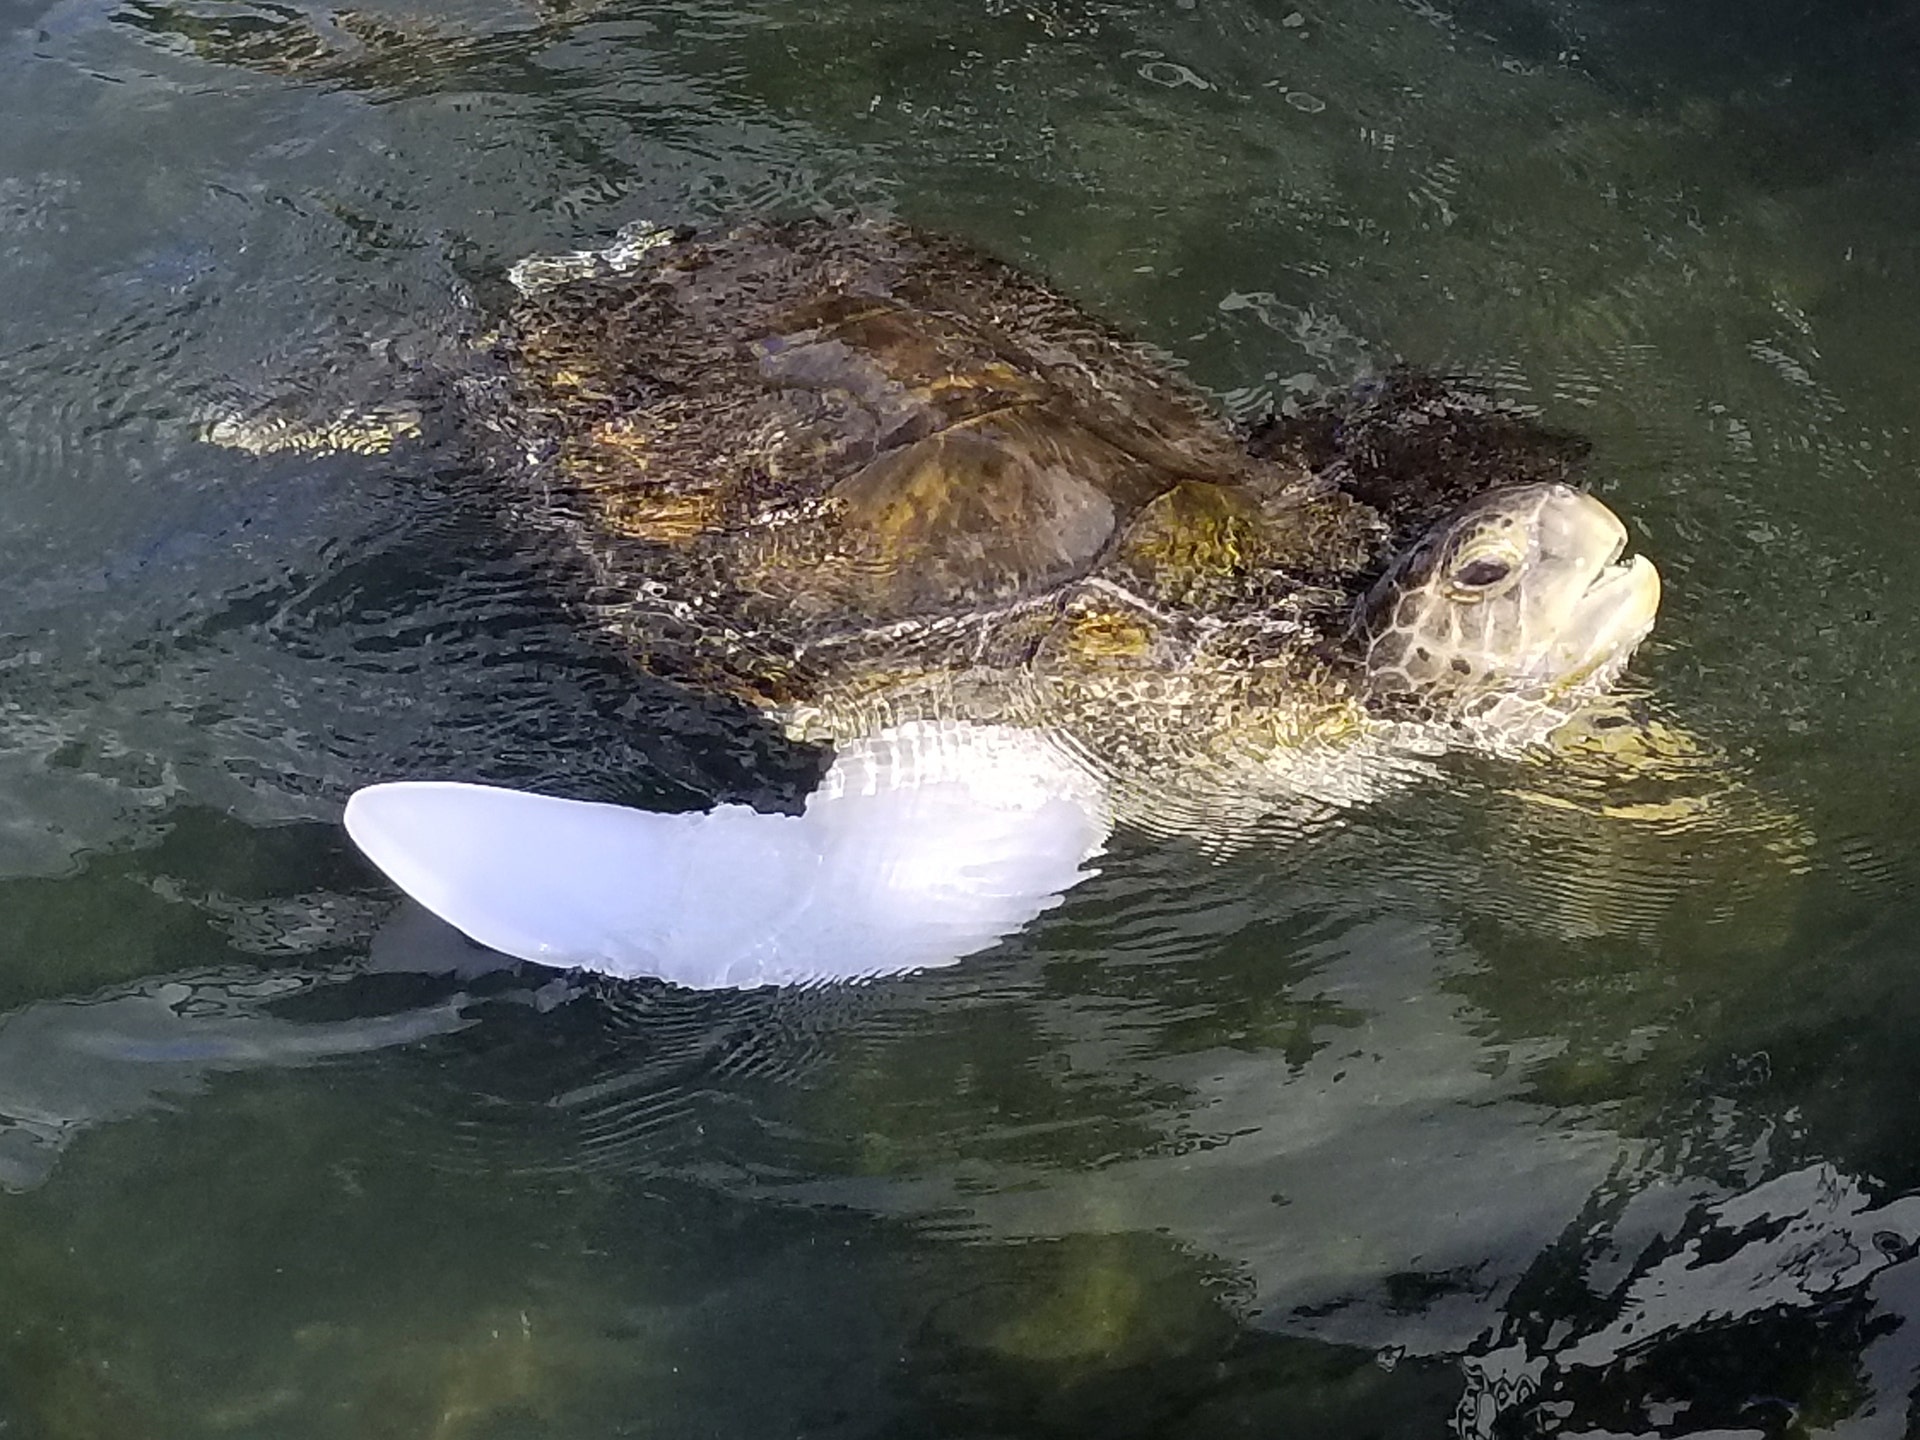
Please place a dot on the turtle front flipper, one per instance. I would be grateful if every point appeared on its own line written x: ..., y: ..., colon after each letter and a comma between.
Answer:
x: 1624, y: 824
x: 1618, y: 756
x: 924, y: 844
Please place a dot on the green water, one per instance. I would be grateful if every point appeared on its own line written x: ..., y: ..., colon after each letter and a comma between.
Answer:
x: 1472, y: 1116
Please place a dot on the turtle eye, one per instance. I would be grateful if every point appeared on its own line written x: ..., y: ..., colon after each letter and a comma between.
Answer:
x: 1480, y: 573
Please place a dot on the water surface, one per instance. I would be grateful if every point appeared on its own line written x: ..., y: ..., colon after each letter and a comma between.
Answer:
x: 1474, y: 1113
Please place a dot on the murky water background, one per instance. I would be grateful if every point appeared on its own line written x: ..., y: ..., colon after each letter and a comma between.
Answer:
x: 1475, y: 1113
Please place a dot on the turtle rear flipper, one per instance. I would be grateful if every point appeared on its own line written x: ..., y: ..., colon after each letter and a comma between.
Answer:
x: 354, y: 390
x: 372, y: 430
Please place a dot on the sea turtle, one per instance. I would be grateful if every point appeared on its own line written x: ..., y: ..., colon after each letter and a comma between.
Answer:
x: 856, y: 474
x: 884, y: 487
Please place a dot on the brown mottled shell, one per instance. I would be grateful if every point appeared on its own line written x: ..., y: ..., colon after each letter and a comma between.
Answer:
x: 844, y: 449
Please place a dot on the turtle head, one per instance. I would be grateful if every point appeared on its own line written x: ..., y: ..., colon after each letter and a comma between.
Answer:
x: 1517, y: 602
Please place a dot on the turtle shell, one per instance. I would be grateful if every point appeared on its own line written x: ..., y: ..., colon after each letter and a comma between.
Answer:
x: 835, y: 451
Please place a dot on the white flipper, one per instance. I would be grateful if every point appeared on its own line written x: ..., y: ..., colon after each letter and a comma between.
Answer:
x: 923, y: 844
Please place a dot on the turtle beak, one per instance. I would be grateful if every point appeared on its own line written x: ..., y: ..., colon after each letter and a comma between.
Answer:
x: 1614, y: 609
